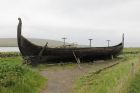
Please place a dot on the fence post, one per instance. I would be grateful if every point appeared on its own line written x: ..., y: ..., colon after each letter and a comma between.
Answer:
x: 132, y: 69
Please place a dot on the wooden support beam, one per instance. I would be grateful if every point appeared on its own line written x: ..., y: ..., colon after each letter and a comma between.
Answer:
x: 112, y: 57
x: 42, y: 50
x: 77, y: 60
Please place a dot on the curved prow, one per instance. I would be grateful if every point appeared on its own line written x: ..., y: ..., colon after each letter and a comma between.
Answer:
x: 19, y: 37
x: 25, y: 46
x: 19, y: 27
x: 19, y: 31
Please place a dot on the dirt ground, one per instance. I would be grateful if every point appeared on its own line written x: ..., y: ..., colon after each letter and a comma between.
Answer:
x: 62, y: 79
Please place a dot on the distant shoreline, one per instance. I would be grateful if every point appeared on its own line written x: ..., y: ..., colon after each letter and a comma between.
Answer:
x: 9, y: 49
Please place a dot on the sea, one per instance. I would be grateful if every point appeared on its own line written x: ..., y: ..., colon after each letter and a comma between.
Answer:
x: 9, y: 49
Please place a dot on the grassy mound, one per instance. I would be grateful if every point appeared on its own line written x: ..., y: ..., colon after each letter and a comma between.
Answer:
x: 17, y: 78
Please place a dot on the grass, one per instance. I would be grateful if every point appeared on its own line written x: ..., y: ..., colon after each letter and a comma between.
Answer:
x: 112, y: 80
x: 18, y: 78
x: 134, y: 84
x: 9, y: 54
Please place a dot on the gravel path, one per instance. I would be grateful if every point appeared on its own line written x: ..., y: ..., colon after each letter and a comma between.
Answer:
x: 61, y: 79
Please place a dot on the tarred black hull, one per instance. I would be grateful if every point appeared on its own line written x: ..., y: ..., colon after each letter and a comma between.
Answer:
x: 44, y: 54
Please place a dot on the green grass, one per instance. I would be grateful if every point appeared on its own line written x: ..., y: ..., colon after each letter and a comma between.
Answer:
x: 134, y: 84
x: 9, y: 54
x: 18, y: 78
x: 112, y: 80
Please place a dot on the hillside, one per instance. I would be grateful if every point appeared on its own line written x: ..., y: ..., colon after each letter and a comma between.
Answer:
x: 12, y: 42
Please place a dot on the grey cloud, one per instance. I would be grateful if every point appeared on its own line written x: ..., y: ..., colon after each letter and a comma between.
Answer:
x: 76, y: 19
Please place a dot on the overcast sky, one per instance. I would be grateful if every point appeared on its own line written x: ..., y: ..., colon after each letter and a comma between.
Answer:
x: 78, y: 20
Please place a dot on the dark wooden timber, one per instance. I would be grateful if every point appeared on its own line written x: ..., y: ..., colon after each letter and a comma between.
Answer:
x: 44, y: 54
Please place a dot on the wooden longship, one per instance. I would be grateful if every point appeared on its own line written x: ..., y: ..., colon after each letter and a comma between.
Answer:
x: 39, y: 54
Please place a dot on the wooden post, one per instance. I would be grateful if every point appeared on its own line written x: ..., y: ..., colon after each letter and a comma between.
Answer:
x: 77, y: 60
x: 42, y: 50
x: 112, y: 57
x: 90, y: 42
x: 64, y: 38
x: 132, y: 69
